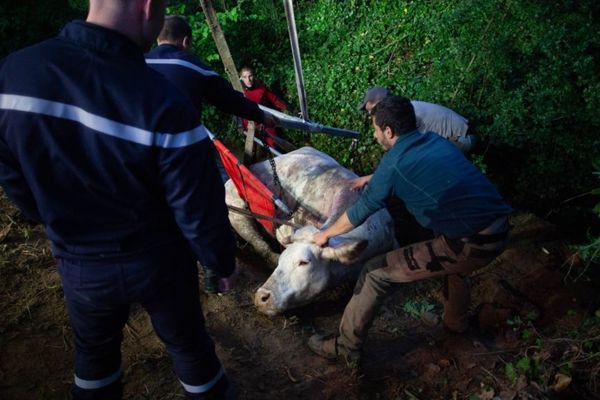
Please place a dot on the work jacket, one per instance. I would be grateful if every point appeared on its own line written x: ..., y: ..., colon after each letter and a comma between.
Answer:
x: 444, y: 191
x: 106, y: 153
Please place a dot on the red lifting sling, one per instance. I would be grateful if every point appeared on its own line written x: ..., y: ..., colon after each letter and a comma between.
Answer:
x: 258, y: 197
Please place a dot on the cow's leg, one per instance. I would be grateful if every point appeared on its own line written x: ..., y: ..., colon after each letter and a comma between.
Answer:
x: 246, y: 226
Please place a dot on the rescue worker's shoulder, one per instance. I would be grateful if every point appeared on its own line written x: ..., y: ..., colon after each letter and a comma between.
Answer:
x: 171, y: 110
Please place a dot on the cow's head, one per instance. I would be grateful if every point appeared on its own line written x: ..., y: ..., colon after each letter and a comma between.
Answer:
x: 303, y: 271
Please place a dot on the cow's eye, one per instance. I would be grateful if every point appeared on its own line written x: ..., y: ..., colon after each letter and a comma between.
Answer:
x: 302, y: 263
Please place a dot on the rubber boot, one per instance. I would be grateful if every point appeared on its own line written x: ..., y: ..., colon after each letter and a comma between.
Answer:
x: 211, y: 281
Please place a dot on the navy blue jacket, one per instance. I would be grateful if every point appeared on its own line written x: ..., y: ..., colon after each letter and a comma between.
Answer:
x: 200, y: 82
x: 106, y: 153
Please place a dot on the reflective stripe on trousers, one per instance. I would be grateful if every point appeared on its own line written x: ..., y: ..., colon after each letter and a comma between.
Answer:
x: 98, y: 294
x: 98, y: 383
x: 197, y: 389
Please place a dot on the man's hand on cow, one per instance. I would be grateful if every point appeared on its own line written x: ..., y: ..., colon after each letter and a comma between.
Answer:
x: 270, y: 121
x: 359, y: 183
x: 320, y: 238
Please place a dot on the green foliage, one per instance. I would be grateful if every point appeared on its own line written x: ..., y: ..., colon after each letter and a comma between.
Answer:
x: 256, y: 33
x: 526, y: 74
x: 524, y: 327
x: 590, y: 252
x: 511, y: 372
x: 25, y: 22
x: 572, y: 351
x: 416, y: 308
x: 528, y: 366
x: 479, y: 162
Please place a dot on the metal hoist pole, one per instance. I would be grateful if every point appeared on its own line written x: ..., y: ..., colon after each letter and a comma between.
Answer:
x: 289, y: 13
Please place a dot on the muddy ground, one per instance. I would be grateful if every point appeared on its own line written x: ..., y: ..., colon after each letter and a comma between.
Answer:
x: 535, y: 332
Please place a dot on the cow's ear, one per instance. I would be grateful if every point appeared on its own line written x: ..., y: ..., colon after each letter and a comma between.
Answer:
x: 347, y: 252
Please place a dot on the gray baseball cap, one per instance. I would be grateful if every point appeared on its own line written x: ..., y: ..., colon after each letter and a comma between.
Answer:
x: 375, y: 94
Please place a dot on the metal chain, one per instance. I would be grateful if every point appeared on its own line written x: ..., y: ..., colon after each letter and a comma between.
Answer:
x: 276, y: 181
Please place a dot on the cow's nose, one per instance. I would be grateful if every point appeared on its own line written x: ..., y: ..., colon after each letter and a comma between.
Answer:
x: 262, y: 299
x: 262, y: 296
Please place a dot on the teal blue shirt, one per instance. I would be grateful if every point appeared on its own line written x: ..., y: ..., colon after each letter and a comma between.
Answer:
x: 439, y: 186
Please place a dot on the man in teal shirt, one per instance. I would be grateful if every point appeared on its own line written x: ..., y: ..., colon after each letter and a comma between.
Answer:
x: 446, y: 194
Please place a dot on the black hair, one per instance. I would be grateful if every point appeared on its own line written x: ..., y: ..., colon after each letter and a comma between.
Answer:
x: 397, y: 112
x: 174, y: 29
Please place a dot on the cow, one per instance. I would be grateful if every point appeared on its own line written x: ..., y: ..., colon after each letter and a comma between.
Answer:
x: 316, y: 188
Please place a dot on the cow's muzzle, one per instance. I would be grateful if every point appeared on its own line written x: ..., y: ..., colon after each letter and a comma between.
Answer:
x: 263, y: 300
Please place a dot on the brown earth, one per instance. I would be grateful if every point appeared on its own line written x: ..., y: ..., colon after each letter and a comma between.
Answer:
x: 535, y: 332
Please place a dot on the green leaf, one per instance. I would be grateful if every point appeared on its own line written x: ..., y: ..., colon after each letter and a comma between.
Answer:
x: 524, y: 364
x: 510, y: 372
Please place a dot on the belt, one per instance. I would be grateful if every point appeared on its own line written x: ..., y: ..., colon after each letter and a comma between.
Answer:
x: 497, y: 231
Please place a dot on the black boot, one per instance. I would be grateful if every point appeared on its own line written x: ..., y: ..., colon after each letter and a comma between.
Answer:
x: 211, y: 281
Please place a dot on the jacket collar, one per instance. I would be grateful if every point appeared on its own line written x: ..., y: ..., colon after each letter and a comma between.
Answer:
x: 101, y: 39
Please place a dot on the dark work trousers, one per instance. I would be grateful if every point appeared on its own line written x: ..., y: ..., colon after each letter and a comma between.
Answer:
x: 439, y: 257
x: 98, y: 294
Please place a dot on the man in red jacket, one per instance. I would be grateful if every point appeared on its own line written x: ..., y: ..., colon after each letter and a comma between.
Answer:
x: 258, y: 92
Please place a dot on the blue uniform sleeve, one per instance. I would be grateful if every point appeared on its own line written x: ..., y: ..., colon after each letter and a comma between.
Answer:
x: 195, y: 192
x: 374, y: 196
x: 15, y: 186
x: 200, y: 83
x: 222, y: 95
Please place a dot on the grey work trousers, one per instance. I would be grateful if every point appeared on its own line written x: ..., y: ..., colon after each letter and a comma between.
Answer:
x: 440, y: 257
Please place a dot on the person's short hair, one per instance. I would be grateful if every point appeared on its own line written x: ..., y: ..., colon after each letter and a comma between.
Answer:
x: 246, y: 68
x: 375, y: 94
x: 395, y: 112
x: 175, y: 28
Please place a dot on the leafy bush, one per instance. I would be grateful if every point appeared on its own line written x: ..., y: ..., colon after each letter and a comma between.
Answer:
x: 25, y: 22
x: 526, y: 74
x: 590, y: 252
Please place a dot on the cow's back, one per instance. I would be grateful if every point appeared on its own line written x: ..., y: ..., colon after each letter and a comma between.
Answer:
x: 309, y: 180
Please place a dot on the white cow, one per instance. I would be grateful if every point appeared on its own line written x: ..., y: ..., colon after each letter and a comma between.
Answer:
x: 316, y: 188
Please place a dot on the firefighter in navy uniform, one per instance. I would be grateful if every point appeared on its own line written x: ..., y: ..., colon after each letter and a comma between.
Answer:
x: 173, y: 58
x: 115, y: 163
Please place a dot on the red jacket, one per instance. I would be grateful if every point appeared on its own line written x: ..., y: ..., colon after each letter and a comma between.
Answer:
x: 261, y: 94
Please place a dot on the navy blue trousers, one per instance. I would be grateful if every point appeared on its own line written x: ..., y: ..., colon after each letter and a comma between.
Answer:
x: 98, y: 294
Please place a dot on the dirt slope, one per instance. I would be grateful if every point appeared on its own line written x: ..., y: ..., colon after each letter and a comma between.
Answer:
x: 534, y: 335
